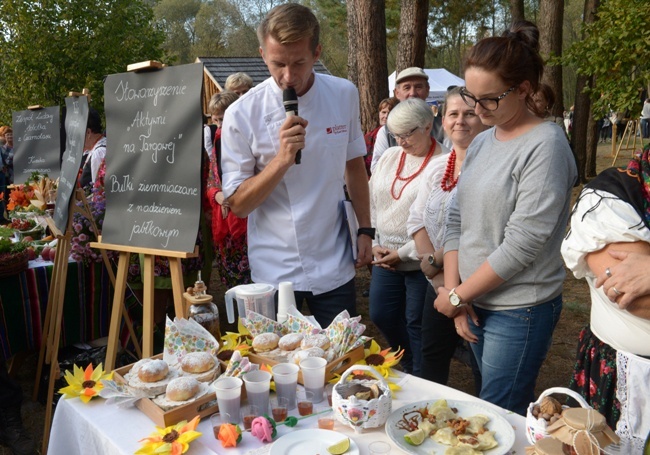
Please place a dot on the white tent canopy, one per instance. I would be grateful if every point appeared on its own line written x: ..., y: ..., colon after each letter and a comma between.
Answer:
x: 439, y: 80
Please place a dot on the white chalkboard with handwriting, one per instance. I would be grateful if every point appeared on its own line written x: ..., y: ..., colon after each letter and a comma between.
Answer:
x: 154, y: 130
x: 76, y: 119
x: 37, y: 146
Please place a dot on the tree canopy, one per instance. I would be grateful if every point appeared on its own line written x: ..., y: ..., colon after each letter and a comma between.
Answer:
x: 616, y: 52
x: 52, y: 47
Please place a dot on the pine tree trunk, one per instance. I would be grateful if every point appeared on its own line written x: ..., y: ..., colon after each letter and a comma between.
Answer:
x: 551, y: 15
x: 412, y: 34
x: 517, y: 10
x: 582, y: 146
x: 367, y: 38
x: 353, y: 41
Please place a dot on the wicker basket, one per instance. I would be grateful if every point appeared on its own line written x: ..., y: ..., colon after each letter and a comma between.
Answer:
x: 13, y: 263
x: 536, y: 428
x: 362, y: 414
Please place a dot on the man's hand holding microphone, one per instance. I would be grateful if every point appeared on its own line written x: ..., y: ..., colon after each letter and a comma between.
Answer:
x: 292, y: 131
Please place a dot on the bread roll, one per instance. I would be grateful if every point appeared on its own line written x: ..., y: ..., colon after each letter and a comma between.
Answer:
x: 153, y: 371
x: 182, y: 389
x: 315, y: 341
x: 265, y: 342
x: 290, y: 341
x: 197, y: 362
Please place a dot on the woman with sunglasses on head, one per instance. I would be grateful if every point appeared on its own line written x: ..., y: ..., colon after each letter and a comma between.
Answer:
x: 398, y: 285
x: 426, y: 224
x: 503, y: 269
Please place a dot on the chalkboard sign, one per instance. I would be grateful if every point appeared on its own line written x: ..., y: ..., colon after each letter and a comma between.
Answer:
x: 76, y: 118
x: 36, y: 143
x: 153, y: 158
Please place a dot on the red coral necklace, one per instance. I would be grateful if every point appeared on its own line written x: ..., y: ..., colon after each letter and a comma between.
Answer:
x: 448, y: 182
x: 411, y: 177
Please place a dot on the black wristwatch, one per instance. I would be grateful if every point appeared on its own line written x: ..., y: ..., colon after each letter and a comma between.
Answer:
x: 370, y: 232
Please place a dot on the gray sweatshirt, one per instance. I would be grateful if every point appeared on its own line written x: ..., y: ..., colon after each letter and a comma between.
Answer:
x: 511, y: 209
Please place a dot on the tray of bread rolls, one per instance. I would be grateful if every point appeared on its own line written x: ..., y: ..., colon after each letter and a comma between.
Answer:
x: 271, y: 349
x: 177, y: 392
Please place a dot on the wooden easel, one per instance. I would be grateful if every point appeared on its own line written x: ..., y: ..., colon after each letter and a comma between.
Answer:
x: 174, y: 258
x: 631, y: 129
x: 54, y: 314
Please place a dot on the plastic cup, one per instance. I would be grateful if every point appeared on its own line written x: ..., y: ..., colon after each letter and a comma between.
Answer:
x: 248, y: 414
x: 329, y: 390
x: 228, y: 392
x: 279, y: 408
x: 258, y: 386
x: 305, y: 401
x: 313, y: 376
x: 216, y: 420
x: 286, y: 381
x: 325, y: 419
x: 286, y: 299
x: 379, y: 448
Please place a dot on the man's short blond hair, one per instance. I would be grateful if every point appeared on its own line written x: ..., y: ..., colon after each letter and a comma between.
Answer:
x: 290, y: 23
x: 237, y: 80
x: 221, y: 101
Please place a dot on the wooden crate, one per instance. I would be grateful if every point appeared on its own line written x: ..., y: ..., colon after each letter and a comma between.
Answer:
x: 337, y: 366
x: 204, y: 406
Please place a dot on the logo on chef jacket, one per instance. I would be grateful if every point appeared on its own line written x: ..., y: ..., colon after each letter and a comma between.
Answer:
x: 337, y: 129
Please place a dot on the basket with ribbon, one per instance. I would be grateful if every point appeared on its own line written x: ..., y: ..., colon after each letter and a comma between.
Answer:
x: 540, y: 414
x: 363, y: 400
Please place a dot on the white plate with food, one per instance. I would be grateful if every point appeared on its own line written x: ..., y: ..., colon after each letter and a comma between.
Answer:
x: 412, y: 416
x: 310, y: 442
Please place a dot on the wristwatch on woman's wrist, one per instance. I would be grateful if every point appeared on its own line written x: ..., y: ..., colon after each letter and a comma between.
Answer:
x: 455, y: 299
x: 370, y: 232
x: 433, y: 263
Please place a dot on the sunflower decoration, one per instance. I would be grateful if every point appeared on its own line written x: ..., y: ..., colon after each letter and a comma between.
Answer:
x: 85, y: 384
x: 232, y: 342
x: 381, y: 360
x: 173, y: 440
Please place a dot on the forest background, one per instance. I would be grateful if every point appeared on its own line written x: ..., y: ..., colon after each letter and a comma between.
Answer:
x: 597, y: 51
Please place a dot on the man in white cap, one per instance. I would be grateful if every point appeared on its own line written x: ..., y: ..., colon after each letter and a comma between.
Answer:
x: 411, y: 82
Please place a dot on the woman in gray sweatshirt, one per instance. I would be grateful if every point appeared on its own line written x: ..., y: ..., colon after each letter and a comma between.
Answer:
x: 503, y: 269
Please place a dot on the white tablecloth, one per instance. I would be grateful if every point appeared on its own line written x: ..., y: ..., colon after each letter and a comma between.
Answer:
x: 97, y: 428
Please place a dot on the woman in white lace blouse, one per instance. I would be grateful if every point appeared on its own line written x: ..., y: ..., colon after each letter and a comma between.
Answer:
x: 398, y: 285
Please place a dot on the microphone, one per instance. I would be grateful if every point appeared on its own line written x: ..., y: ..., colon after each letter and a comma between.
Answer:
x: 290, y: 101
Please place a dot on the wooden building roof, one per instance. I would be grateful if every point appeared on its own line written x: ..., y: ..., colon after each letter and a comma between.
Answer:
x: 217, y: 69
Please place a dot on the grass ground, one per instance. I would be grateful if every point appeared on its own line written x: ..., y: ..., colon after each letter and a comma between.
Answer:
x: 555, y: 372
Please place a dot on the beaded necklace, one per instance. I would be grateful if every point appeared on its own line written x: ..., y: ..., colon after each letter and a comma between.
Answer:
x: 411, y: 177
x: 448, y: 182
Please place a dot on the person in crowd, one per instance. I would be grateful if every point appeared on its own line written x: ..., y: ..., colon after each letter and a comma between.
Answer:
x: 504, y: 274
x: 7, y: 152
x: 12, y: 431
x: 605, y: 131
x: 426, y: 224
x: 545, y: 100
x: 610, y: 231
x: 262, y: 180
x: 398, y: 286
x: 410, y: 83
x: 238, y: 83
x: 95, y: 143
x: 645, y: 119
x: 228, y: 231
x: 385, y: 106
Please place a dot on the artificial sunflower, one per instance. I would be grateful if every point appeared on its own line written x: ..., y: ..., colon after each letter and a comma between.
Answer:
x: 85, y: 384
x: 381, y: 360
x: 232, y: 342
x: 174, y: 439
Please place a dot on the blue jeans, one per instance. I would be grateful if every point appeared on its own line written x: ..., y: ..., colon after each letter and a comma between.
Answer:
x: 396, y: 302
x: 325, y: 307
x: 512, y: 345
x: 645, y: 127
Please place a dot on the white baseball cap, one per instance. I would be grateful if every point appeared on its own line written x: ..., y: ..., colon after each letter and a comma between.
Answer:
x: 413, y: 71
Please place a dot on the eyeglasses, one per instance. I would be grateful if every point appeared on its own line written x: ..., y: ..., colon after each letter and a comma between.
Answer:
x: 404, y: 136
x: 489, y: 104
